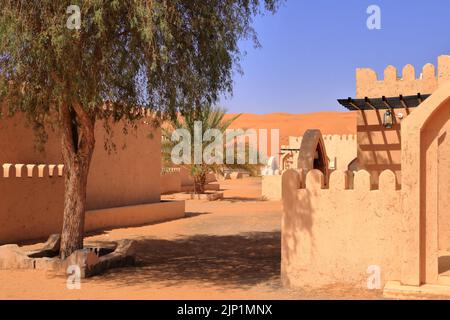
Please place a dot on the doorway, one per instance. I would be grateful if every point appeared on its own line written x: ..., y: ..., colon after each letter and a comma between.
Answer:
x: 435, y: 199
x: 444, y: 202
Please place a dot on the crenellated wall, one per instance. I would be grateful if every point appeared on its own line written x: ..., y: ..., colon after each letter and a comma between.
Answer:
x: 379, y: 148
x: 334, y: 235
x: 31, y: 203
x: 339, y: 138
x: 368, y: 84
x: 32, y: 206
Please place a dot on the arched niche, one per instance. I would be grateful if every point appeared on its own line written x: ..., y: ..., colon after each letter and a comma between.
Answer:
x: 313, y: 153
x: 353, y: 165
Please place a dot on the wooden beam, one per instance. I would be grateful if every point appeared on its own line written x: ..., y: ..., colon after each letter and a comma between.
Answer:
x: 419, y: 98
x: 403, y: 102
x: 367, y: 100
x: 386, y: 103
x: 350, y: 101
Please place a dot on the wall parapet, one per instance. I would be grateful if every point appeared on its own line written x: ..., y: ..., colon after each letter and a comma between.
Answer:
x: 340, y: 180
x: 337, y: 137
x: 327, y: 137
x: 391, y: 73
x: 20, y: 170
x: 168, y: 170
x: 332, y: 234
x: 369, y: 84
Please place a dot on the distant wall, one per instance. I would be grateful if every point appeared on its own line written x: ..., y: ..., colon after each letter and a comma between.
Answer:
x: 341, y: 150
x: 175, y: 180
x: 333, y: 235
x: 171, y: 182
x: 186, y: 179
x: 369, y: 85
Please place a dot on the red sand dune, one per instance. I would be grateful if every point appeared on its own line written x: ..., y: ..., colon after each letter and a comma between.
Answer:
x: 297, y: 124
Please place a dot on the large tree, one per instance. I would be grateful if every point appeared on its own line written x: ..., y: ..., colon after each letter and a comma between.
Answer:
x: 165, y: 55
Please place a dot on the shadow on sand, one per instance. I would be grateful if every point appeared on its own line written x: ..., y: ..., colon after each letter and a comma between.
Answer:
x: 231, y: 261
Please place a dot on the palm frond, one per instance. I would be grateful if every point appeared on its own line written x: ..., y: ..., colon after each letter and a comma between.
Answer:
x: 211, y: 117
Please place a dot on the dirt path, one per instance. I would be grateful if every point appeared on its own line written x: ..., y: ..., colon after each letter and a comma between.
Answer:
x: 223, y: 250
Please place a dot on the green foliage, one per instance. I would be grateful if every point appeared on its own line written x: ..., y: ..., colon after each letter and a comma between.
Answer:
x: 168, y: 56
x: 127, y: 57
x: 210, y: 118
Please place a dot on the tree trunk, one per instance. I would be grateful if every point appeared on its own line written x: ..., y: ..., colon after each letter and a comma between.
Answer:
x: 199, y: 183
x: 77, y: 148
x: 74, y: 205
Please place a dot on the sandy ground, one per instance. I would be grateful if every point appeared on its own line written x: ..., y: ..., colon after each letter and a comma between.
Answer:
x: 226, y: 249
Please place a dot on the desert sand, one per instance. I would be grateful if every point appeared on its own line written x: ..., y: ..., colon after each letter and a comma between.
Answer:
x: 296, y: 124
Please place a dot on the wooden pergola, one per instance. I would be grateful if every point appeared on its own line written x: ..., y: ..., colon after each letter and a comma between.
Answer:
x: 383, y: 103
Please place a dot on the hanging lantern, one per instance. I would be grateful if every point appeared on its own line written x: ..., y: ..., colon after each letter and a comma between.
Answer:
x: 388, y: 120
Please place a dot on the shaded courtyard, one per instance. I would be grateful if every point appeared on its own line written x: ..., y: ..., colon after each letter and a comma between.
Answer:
x: 226, y: 249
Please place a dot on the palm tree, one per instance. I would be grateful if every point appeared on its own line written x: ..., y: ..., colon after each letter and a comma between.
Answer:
x: 211, y: 118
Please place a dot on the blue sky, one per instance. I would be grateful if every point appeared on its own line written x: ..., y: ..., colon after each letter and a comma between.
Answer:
x: 311, y: 48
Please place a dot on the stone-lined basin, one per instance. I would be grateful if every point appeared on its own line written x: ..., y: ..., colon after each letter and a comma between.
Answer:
x: 92, y: 260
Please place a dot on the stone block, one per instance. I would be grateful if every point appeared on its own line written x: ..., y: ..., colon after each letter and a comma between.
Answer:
x: 12, y: 257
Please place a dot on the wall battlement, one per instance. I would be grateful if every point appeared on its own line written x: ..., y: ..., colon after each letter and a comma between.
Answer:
x: 323, y: 227
x: 169, y: 170
x: 32, y: 170
x: 296, y: 141
x: 368, y: 84
x: 336, y: 137
x: 361, y: 181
